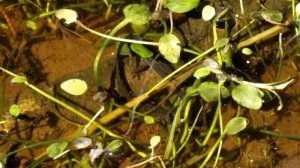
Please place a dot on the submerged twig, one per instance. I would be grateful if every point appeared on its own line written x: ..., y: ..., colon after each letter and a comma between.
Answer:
x: 265, y: 35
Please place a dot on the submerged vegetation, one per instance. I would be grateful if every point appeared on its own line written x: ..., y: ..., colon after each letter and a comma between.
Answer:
x: 198, y: 75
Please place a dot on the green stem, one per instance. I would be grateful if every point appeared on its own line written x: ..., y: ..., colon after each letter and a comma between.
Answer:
x: 170, y: 144
x: 212, y: 126
x: 38, y: 144
x: 102, y: 49
x: 212, y: 150
x: 275, y: 134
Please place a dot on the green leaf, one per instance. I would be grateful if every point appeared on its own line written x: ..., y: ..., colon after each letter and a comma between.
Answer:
x: 247, y: 51
x: 74, y: 87
x: 182, y: 6
x: 154, y: 141
x: 209, y: 91
x: 272, y: 16
x: 114, y: 145
x: 221, y: 42
x: 235, y: 125
x: 169, y: 47
x: 56, y: 148
x: 247, y: 96
x: 15, y: 110
x: 18, y: 79
x: 3, y: 158
x: 137, y: 14
x: 201, y: 72
x: 31, y: 24
x: 125, y: 50
x: 3, y: 26
x: 141, y: 50
x: 149, y: 119
x: 85, y: 161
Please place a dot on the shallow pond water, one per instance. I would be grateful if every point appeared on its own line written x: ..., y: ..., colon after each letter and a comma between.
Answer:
x: 48, y: 56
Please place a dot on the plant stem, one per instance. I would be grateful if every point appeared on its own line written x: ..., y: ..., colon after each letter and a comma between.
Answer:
x: 75, y: 111
x: 212, y: 127
x: 96, y: 66
x: 115, y: 29
x: 211, y: 151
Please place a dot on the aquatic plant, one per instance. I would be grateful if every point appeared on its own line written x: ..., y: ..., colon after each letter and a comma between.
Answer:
x: 208, y: 77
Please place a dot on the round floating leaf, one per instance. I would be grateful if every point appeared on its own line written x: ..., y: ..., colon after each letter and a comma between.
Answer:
x: 209, y: 91
x: 202, y: 72
x: 68, y: 15
x: 74, y: 87
x: 141, y: 50
x: 182, y: 6
x: 221, y: 42
x: 14, y: 110
x: 247, y: 51
x: 114, y: 145
x: 235, y: 125
x: 247, y: 96
x: 149, y: 119
x: 56, y: 148
x: 154, y: 141
x: 137, y: 14
x: 81, y: 143
x: 18, y: 79
x: 31, y: 24
x: 208, y: 12
x: 169, y: 47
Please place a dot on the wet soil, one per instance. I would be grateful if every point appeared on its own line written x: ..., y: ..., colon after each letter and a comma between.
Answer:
x: 61, y: 55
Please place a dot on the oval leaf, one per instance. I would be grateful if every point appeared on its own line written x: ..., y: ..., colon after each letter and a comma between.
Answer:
x: 31, y: 24
x: 209, y: 91
x: 247, y: 96
x: 56, y: 148
x: 154, y: 141
x: 169, y: 47
x: 149, y: 119
x: 182, y: 6
x: 137, y: 14
x: 208, y: 12
x: 273, y: 17
x: 18, y: 79
x: 235, y: 125
x: 114, y: 145
x: 141, y: 50
x: 14, y: 110
x: 74, y: 87
x: 70, y: 16
x: 247, y: 51
x: 221, y: 42
x: 202, y: 72
x: 81, y: 143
